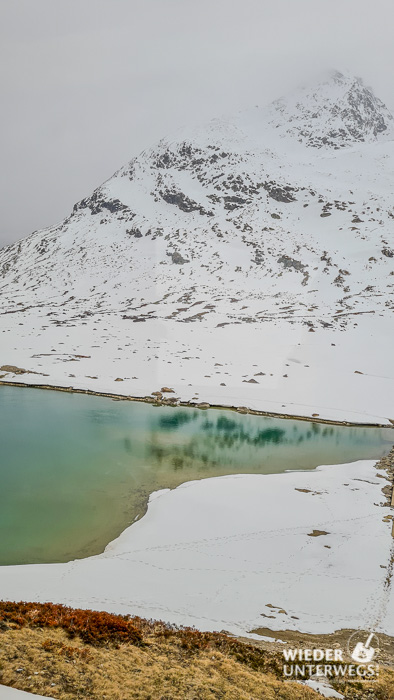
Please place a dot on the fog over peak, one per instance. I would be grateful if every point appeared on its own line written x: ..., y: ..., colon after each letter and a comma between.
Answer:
x: 87, y: 86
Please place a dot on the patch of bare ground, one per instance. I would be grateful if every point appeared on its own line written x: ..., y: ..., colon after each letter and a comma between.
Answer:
x: 67, y: 654
x: 70, y: 654
x: 336, y: 640
x: 379, y: 689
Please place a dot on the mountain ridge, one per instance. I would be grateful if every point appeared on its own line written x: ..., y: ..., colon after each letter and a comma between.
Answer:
x: 350, y: 112
x: 242, y: 222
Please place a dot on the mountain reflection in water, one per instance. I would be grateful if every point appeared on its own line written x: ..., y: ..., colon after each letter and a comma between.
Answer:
x: 86, y: 465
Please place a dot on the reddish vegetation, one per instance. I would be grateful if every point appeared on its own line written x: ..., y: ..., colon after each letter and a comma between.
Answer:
x: 96, y: 628
x: 105, y: 629
x: 65, y: 650
x: 115, y: 656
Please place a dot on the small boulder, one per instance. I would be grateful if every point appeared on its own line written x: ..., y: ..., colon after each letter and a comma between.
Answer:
x: 14, y: 370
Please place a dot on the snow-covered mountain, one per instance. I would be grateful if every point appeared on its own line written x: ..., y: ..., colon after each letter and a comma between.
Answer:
x: 230, y: 241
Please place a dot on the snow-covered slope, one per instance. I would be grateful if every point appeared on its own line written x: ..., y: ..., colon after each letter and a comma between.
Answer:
x: 230, y: 242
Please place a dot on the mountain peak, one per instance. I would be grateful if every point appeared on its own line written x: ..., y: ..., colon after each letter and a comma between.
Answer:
x: 336, y: 111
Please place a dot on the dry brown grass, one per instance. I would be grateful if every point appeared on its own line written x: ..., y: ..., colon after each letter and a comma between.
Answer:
x: 39, y: 654
x: 47, y: 662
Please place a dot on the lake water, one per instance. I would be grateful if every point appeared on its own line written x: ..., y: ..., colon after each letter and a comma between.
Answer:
x: 76, y: 470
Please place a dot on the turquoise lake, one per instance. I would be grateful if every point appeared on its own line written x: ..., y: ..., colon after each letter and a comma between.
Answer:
x: 76, y: 470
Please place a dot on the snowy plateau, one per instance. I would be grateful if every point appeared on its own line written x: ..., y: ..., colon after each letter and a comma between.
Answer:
x: 245, y: 262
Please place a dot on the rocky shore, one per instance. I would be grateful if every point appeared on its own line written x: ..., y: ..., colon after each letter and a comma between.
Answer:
x: 157, y: 399
x: 387, y: 463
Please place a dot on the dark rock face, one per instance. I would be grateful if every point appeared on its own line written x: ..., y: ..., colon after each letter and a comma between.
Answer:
x: 279, y: 193
x: 233, y: 202
x: 177, y: 258
x: 97, y: 204
x: 388, y: 252
x: 134, y: 232
x: 259, y: 257
x: 42, y: 247
x: 363, y: 113
x: 180, y: 200
x: 286, y: 261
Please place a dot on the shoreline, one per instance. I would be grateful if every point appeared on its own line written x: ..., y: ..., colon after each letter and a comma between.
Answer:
x: 200, y: 405
x: 314, y: 514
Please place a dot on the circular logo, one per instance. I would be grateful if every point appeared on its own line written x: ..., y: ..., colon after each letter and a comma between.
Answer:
x: 363, y: 647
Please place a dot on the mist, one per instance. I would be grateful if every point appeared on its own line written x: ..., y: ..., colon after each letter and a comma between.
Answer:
x: 88, y: 85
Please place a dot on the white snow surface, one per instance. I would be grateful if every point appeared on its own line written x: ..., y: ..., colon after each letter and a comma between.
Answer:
x: 7, y: 693
x: 323, y: 687
x: 237, y: 553
x: 255, y: 247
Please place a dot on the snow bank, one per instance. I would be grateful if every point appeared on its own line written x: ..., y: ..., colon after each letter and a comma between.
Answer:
x: 7, y: 693
x: 342, y: 376
x: 305, y: 551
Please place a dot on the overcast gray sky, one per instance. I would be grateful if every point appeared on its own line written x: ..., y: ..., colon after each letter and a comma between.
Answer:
x: 87, y: 84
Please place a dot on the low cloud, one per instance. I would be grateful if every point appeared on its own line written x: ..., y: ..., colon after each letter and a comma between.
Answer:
x: 86, y: 86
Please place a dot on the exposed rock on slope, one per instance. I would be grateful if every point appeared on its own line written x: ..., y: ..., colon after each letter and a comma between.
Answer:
x: 345, y: 113
x: 281, y: 215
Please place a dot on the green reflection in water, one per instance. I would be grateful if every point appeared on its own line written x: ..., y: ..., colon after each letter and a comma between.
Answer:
x: 76, y: 470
